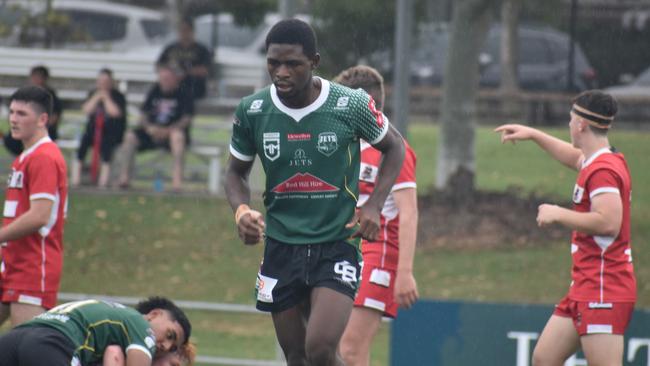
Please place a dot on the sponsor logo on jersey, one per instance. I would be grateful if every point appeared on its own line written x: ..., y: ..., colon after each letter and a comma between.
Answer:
x: 298, y: 137
x: 256, y: 106
x: 304, y: 183
x: 328, y: 143
x: 342, y: 103
x: 149, y: 342
x: 577, y: 193
x: 271, y: 142
x: 300, y: 158
x: 15, y: 179
x: 236, y: 121
x: 368, y: 173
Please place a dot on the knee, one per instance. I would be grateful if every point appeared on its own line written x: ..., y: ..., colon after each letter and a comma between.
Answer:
x: 350, y: 353
x: 320, y: 353
x: 542, y: 359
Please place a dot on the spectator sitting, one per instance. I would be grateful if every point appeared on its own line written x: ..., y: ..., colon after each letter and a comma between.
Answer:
x: 39, y: 76
x: 165, y: 122
x: 106, y: 109
x: 193, y: 57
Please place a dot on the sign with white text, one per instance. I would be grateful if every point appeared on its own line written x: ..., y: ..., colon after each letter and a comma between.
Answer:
x: 441, y: 333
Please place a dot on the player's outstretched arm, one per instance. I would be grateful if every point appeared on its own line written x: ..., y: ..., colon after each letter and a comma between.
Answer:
x: 250, y: 223
x: 392, y: 148
x: 406, y: 288
x: 559, y: 150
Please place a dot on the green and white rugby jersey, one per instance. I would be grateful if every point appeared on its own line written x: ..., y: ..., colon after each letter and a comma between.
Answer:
x: 93, y: 325
x: 310, y: 156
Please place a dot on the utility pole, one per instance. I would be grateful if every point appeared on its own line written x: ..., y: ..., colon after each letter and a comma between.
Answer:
x: 287, y: 8
x: 401, y: 79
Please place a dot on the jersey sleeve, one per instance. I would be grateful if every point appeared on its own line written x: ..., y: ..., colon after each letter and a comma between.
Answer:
x: 369, y: 123
x: 42, y: 178
x: 141, y: 337
x: 603, y: 181
x: 242, y: 144
x: 406, y: 177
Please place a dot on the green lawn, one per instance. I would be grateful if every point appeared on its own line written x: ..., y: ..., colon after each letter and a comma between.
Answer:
x: 187, y: 248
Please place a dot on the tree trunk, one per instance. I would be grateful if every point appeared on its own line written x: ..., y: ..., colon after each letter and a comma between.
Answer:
x: 456, y: 161
x: 509, y: 57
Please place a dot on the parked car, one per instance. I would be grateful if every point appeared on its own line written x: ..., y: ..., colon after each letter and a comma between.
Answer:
x: 91, y: 25
x: 543, y: 59
x: 633, y: 98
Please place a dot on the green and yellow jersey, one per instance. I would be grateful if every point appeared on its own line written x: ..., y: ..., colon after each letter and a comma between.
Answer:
x: 310, y: 156
x: 93, y: 325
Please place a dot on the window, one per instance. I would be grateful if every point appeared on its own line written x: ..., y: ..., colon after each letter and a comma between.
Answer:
x: 155, y: 29
x: 534, y: 51
x: 98, y: 26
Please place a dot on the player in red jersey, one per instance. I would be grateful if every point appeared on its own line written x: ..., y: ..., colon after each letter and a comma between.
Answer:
x: 34, y: 210
x: 598, y: 307
x: 387, y: 280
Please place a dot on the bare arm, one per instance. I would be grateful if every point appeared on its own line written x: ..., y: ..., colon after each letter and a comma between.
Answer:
x: 250, y: 223
x: 604, y: 219
x: 112, y: 109
x: 406, y: 290
x: 89, y: 106
x: 392, y: 148
x: 137, y: 357
x: 113, y: 356
x: 36, y: 217
x: 559, y: 150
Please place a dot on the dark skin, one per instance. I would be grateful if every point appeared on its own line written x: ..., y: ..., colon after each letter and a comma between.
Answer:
x: 309, y: 332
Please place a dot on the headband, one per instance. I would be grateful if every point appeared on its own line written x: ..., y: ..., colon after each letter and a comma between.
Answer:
x: 594, y: 119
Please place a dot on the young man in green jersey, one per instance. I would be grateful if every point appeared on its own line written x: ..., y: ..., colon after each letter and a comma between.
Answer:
x: 306, y: 132
x: 78, y: 333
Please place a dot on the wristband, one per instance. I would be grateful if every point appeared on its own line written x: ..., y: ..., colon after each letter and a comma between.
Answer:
x: 241, y: 211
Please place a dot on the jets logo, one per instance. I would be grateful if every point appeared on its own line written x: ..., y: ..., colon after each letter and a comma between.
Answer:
x: 271, y: 142
x: 328, y: 143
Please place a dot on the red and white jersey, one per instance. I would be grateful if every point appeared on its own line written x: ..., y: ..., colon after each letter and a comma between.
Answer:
x: 34, y: 262
x: 602, y: 266
x: 384, y: 251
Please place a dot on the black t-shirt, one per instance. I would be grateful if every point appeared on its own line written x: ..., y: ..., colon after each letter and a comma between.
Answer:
x: 187, y: 57
x: 120, y: 100
x: 165, y: 109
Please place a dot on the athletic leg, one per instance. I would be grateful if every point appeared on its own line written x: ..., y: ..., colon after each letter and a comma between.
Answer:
x: 559, y: 340
x: 290, y: 329
x: 330, y: 311
x: 603, y: 349
x: 358, y: 335
x: 127, y: 155
x: 177, y: 144
x: 21, y: 313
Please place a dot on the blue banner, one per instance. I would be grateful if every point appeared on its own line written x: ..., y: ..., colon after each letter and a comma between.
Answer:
x: 441, y: 333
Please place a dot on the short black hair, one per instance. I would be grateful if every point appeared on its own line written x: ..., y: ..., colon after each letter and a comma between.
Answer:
x: 41, y: 70
x: 107, y: 71
x: 293, y: 31
x: 156, y: 302
x: 38, y: 97
x: 597, y: 101
x: 188, y: 21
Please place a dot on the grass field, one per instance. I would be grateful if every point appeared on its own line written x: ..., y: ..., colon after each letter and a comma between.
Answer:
x: 187, y: 248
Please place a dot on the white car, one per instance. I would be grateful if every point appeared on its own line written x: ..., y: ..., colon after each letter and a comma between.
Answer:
x: 94, y: 25
x: 633, y: 98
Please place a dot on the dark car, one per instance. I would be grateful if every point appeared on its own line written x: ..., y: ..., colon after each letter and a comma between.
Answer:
x: 543, y: 59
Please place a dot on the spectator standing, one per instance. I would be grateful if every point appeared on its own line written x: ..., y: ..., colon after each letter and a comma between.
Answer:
x: 165, y: 121
x: 193, y: 57
x: 34, y: 212
x: 39, y: 76
x: 106, y: 111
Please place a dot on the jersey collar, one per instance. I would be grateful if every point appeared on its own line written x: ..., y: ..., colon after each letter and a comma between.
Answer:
x: 604, y: 150
x: 37, y: 144
x: 300, y: 113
